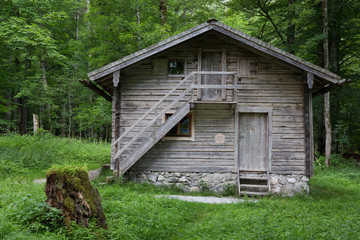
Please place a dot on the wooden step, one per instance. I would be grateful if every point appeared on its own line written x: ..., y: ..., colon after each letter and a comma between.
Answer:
x: 254, y: 178
x: 253, y: 185
x: 252, y: 171
x: 254, y: 193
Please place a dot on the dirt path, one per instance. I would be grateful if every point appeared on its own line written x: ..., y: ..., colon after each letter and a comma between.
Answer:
x: 216, y: 200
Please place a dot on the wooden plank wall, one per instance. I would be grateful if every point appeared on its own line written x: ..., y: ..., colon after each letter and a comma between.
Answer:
x: 201, y: 155
x: 275, y: 87
x: 282, y: 90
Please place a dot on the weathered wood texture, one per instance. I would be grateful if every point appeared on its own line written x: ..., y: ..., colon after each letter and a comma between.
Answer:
x: 275, y: 86
x: 115, y: 125
x: 203, y: 154
x: 253, y: 141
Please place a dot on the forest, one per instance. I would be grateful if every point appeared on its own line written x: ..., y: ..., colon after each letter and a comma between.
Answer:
x: 49, y: 46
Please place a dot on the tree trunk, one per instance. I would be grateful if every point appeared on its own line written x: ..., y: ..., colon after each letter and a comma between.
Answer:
x: 291, y: 26
x: 163, y: 12
x: 184, y: 13
x: 69, y: 101
x: 63, y: 120
x: 35, y: 122
x: 333, y: 54
x: 138, y: 26
x: 325, y: 28
x: 70, y: 191
x: 8, y: 113
x: 22, y: 113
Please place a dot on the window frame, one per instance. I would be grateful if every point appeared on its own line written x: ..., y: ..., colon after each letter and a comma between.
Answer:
x: 248, y: 60
x: 176, y: 59
x: 190, y: 137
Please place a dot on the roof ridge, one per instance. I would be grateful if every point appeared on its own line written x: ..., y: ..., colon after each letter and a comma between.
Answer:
x: 276, y: 49
x: 204, y: 27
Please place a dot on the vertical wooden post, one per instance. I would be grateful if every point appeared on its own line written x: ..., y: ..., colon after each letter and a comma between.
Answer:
x: 223, y: 77
x: 308, y: 125
x: 236, y: 149
x: 199, y: 96
x: 235, y: 78
x: 115, y: 163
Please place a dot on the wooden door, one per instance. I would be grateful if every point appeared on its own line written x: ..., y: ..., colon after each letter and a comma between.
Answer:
x: 253, y: 141
x: 211, y: 61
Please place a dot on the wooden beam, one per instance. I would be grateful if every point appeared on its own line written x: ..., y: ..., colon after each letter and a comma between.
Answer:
x: 223, y: 77
x: 328, y: 87
x: 115, y: 128
x: 310, y: 80
x: 116, y: 78
x: 309, y: 152
x: 96, y: 89
x: 198, y: 77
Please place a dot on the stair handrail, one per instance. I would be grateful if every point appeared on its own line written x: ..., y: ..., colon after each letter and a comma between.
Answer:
x: 187, y: 90
x: 169, y: 106
x: 151, y: 109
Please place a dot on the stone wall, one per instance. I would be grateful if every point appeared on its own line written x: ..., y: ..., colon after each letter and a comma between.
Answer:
x: 288, y: 185
x: 284, y: 185
x: 189, y: 182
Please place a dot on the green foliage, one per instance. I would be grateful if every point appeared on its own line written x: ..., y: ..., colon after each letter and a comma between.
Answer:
x: 134, y: 212
x: 36, y: 216
x: 337, y: 161
x: 230, y: 190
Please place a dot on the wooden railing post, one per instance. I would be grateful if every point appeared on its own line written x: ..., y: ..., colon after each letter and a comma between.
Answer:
x: 155, y: 123
x: 235, y: 89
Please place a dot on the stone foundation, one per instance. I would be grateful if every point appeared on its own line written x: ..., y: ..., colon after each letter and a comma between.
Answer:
x: 189, y: 182
x: 288, y: 185
x: 284, y: 185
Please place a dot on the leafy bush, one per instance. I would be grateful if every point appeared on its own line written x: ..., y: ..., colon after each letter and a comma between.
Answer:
x: 337, y: 161
x: 37, y: 216
x: 230, y: 190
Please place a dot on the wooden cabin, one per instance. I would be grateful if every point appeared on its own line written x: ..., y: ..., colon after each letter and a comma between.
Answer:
x: 213, y: 107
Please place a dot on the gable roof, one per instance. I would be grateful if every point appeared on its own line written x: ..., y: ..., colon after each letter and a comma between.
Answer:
x: 214, y: 25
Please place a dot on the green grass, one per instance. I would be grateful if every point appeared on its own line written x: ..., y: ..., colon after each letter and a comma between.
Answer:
x: 21, y: 154
x: 331, y: 211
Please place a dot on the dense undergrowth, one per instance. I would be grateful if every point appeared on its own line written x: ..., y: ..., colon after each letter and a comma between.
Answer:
x: 331, y: 211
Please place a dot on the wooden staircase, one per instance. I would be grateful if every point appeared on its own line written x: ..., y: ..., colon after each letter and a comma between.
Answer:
x: 151, y: 140
x: 137, y: 140
x: 253, y: 182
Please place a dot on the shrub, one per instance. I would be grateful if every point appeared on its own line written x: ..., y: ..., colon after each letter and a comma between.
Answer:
x: 337, y: 161
x: 37, y: 216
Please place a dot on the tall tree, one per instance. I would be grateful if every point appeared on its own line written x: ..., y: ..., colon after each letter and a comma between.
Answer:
x: 328, y: 137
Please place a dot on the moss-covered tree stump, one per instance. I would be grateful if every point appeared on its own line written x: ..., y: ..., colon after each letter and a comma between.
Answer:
x: 69, y: 189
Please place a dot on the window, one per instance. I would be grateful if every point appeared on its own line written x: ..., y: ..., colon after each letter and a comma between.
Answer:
x: 183, y: 130
x: 247, y: 67
x: 176, y: 66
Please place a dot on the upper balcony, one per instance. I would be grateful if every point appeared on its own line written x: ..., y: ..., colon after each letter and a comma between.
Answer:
x: 213, y: 87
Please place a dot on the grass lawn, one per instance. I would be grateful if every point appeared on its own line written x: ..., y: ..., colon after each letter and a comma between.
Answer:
x: 332, y: 211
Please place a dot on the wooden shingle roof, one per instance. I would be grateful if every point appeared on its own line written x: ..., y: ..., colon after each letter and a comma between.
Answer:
x: 214, y: 25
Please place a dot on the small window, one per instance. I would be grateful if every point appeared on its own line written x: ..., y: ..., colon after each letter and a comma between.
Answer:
x: 182, y: 128
x: 176, y: 67
x: 247, y: 67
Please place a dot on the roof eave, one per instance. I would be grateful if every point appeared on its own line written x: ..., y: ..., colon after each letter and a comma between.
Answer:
x: 226, y: 30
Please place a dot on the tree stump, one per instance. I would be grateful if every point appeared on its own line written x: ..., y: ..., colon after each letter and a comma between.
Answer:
x: 69, y: 189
